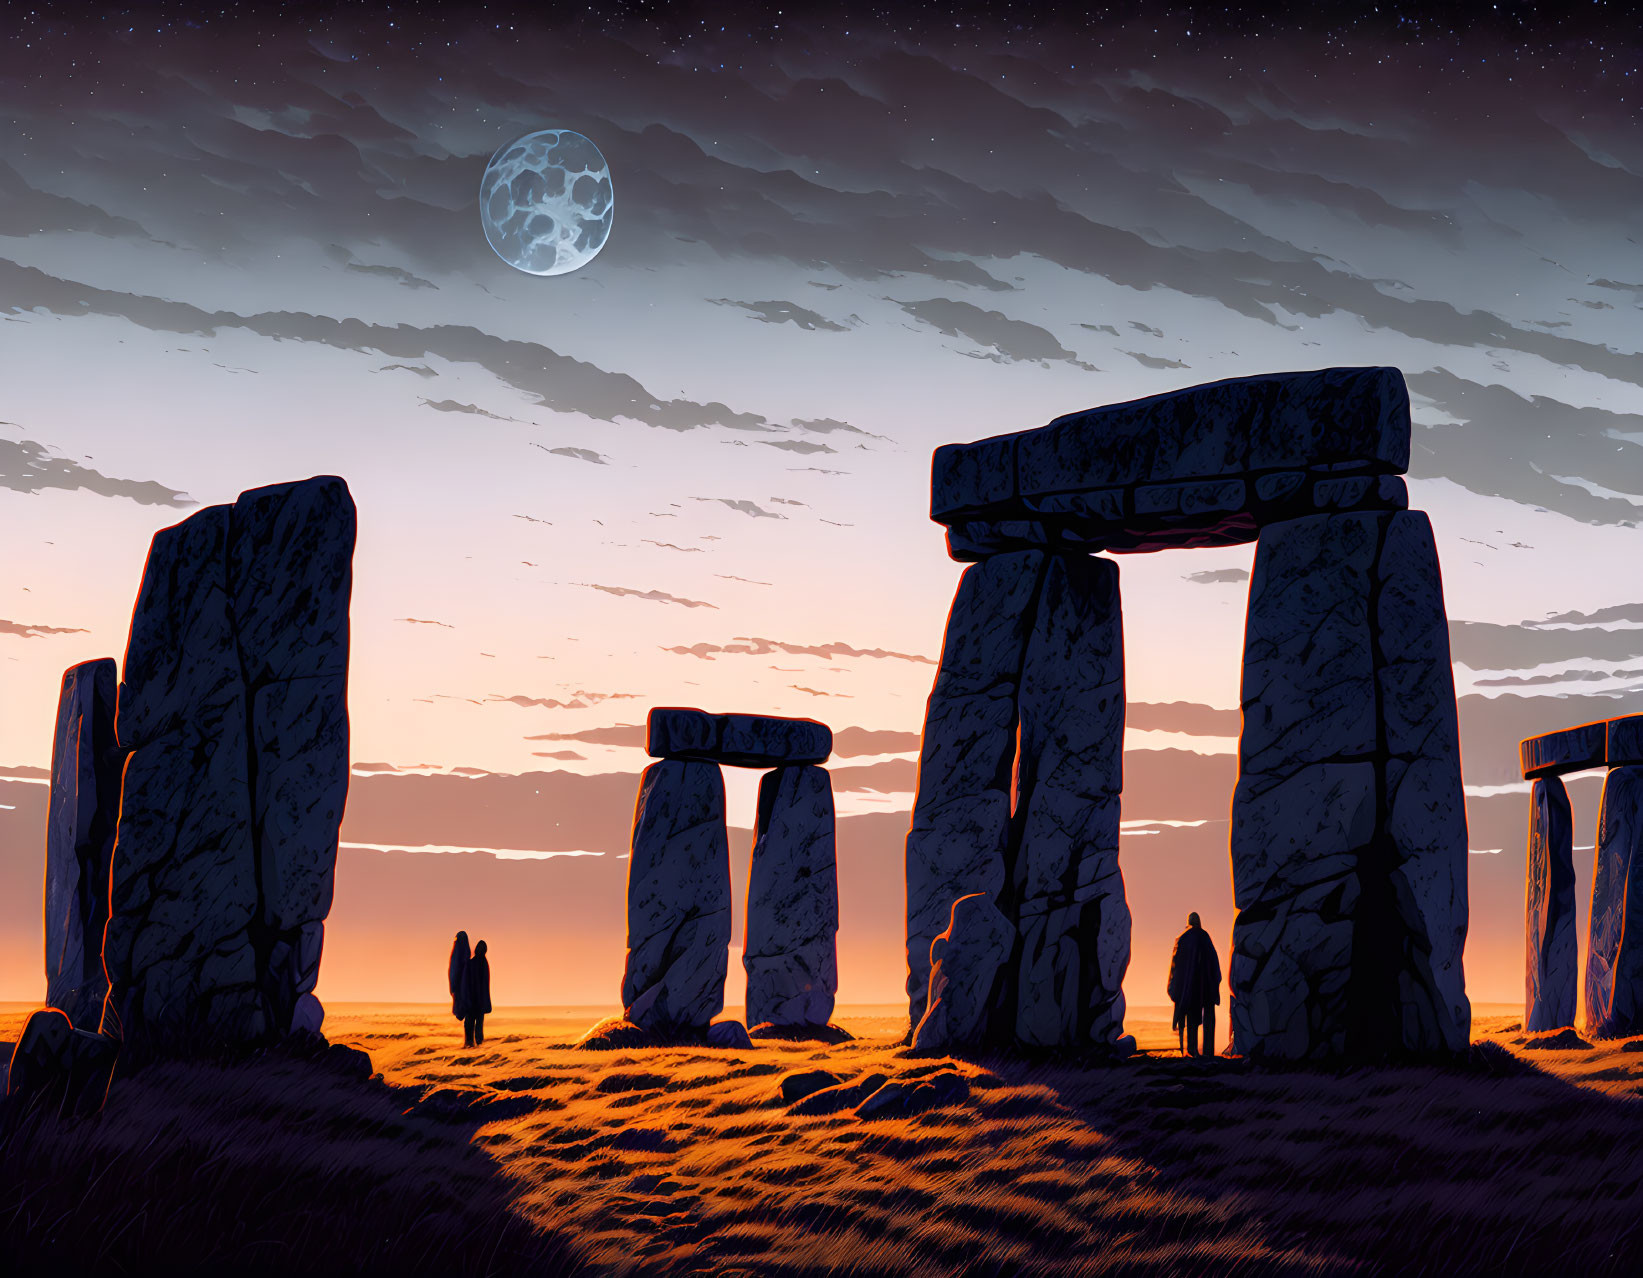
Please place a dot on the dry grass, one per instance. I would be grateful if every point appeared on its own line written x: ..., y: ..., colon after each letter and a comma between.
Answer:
x: 684, y: 1160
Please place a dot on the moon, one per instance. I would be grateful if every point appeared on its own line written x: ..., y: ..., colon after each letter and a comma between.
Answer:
x: 546, y: 202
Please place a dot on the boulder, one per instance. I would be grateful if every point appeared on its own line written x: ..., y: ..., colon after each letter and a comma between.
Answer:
x: 959, y: 838
x: 234, y: 709
x: 1549, y: 922
x: 834, y: 1100
x: 60, y: 1067
x: 741, y: 740
x: 968, y: 962
x: 85, y: 805
x: 789, y: 949
x: 1614, y: 952
x: 828, y: 1033
x: 798, y: 1085
x: 1066, y: 886
x: 1348, y: 822
x: 678, y: 900
x: 728, y: 1034
x: 1207, y: 465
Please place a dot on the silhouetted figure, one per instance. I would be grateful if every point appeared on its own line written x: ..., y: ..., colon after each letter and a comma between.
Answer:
x: 476, y: 989
x: 1195, y: 986
x: 460, y: 958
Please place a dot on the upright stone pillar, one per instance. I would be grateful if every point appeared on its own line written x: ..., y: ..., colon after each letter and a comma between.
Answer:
x: 85, y: 804
x: 1549, y: 910
x: 678, y: 900
x: 1348, y: 821
x: 1066, y: 889
x: 1614, y: 952
x: 959, y: 838
x: 790, y: 949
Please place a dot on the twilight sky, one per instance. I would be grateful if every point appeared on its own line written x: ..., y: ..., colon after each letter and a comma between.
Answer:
x: 247, y: 249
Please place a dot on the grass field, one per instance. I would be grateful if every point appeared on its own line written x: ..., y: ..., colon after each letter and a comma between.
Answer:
x: 529, y: 1156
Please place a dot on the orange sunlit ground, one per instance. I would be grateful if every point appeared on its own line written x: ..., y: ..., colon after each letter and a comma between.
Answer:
x: 685, y: 1160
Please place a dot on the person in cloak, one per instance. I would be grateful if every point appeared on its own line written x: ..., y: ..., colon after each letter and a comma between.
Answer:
x: 476, y: 986
x: 1195, y: 987
x: 460, y: 958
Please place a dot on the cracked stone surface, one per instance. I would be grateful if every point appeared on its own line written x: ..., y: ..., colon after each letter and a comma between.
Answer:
x: 969, y: 961
x: 678, y: 899
x: 1348, y: 822
x: 959, y: 838
x: 1614, y: 954
x: 1549, y: 912
x: 790, y: 949
x: 85, y: 804
x: 739, y: 740
x: 1067, y: 889
x: 234, y: 708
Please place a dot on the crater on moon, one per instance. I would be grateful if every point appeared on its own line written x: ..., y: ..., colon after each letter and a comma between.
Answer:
x: 546, y: 202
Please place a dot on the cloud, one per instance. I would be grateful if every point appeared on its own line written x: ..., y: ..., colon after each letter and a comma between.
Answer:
x: 668, y: 545
x: 621, y: 734
x: 454, y: 406
x: 1155, y: 361
x: 815, y: 692
x: 1482, y: 645
x: 532, y: 519
x: 850, y: 742
x: 797, y: 445
x: 654, y: 596
x: 828, y: 426
x: 784, y: 313
x: 748, y: 580
x: 764, y: 647
x: 423, y: 621
x: 1626, y: 612
x: 33, y: 632
x: 580, y: 454
x: 555, y: 754
x: 30, y: 467
x: 752, y: 509
x: 1217, y: 576
x: 421, y: 370
x: 1146, y: 328
x: 1011, y: 341
x: 543, y: 703
x: 399, y: 276
x: 1182, y: 716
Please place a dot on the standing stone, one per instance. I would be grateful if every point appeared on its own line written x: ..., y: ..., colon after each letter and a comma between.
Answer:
x: 179, y: 953
x: 969, y: 962
x: 291, y: 565
x: 85, y: 804
x: 959, y: 839
x: 1614, y: 952
x: 790, y: 949
x: 1549, y: 922
x: 1348, y: 822
x: 678, y: 900
x: 1067, y: 892
x: 233, y: 707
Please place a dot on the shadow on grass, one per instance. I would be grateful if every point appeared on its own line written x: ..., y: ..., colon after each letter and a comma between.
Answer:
x: 1490, y: 1167
x: 268, y: 1166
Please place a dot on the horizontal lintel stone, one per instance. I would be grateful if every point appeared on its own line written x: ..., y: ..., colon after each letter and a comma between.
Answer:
x: 739, y: 740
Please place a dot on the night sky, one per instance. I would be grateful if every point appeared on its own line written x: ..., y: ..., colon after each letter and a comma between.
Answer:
x: 242, y: 245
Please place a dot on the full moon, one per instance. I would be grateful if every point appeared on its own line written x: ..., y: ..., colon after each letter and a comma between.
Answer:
x: 546, y: 202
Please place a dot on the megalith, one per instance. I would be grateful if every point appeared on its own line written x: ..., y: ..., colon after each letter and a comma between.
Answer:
x: 1066, y: 889
x: 1614, y: 951
x: 969, y: 963
x: 959, y: 838
x: 1348, y: 823
x: 790, y: 947
x: 1549, y: 910
x: 678, y: 900
x: 85, y: 804
x: 232, y: 706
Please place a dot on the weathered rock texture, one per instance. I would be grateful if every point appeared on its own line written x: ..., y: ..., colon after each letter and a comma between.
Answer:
x: 678, y: 900
x: 1549, y: 910
x: 969, y: 964
x: 57, y: 1066
x: 1204, y: 466
x: 959, y: 839
x: 1567, y: 750
x: 1614, y: 953
x: 741, y: 740
x: 789, y: 950
x: 85, y: 804
x: 233, y: 708
x: 1066, y: 891
x: 1348, y: 824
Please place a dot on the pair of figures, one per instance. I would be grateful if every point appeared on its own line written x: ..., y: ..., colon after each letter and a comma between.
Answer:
x: 470, y: 989
x: 1195, y: 987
